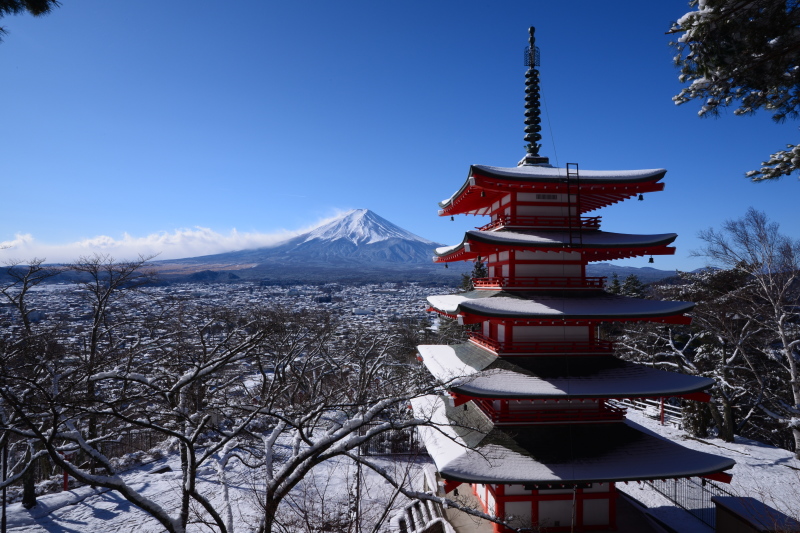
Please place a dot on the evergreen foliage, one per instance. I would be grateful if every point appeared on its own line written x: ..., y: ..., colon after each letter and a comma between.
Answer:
x: 614, y: 287
x: 632, y: 286
x: 744, y: 53
x: 479, y: 270
x: 34, y: 7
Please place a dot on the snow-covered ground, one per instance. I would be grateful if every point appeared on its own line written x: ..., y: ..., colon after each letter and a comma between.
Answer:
x: 769, y: 474
x: 324, y: 497
x: 763, y: 472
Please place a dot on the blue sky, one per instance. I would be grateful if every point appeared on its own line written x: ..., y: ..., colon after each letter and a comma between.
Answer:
x: 191, y: 128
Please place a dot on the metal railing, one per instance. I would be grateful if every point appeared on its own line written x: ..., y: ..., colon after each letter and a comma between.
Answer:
x: 652, y: 407
x: 539, y: 282
x: 555, y: 222
x: 421, y: 516
x: 541, y: 347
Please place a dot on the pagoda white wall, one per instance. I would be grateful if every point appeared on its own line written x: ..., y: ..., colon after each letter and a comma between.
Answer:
x: 523, y: 270
x: 519, y: 513
x: 542, y: 405
x: 516, y: 490
x: 555, y: 513
x: 528, y: 255
x: 596, y: 512
x: 544, y: 210
x: 550, y: 333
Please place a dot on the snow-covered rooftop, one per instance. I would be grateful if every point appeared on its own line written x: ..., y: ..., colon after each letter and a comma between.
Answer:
x: 544, y: 174
x: 539, y: 172
x: 552, y: 453
x: 538, y: 239
x: 472, y: 371
x: 523, y: 304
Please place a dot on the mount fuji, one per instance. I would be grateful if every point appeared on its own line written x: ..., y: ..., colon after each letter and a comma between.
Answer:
x: 358, y: 235
x: 359, y: 243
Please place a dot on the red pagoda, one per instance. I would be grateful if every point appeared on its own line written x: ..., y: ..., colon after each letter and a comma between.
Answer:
x: 531, y: 424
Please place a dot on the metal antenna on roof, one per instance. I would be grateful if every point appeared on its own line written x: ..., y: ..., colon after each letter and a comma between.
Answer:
x: 532, y: 111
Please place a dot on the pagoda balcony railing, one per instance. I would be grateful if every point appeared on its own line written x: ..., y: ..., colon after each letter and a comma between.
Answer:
x: 533, y: 415
x: 598, y: 347
x: 543, y: 221
x: 539, y: 282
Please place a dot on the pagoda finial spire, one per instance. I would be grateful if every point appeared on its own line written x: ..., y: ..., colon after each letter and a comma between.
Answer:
x: 532, y: 111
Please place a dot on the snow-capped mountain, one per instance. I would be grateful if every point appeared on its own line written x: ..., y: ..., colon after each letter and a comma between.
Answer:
x: 357, y: 243
x: 362, y: 226
x: 358, y: 235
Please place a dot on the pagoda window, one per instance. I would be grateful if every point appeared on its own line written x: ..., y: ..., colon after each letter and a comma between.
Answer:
x: 503, y: 256
x: 501, y: 333
x: 486, y: 328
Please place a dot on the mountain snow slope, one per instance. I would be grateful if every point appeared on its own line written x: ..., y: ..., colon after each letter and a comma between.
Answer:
x: 357, y: 237
x: 361, y: 226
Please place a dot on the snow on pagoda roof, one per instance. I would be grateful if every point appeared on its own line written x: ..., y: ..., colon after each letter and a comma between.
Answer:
x: 467, y: 447
x: 614, y: 185
x: 472, y: 371
x: 548, y: 173
x: 534, y: 305
x: 535, y: 239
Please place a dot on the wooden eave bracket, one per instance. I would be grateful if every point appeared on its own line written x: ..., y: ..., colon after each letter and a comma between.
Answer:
x: 697, y: 396
x: 450, y: 485
x: 722, y: 477
x: 434, y: 310
x: 459, y: 399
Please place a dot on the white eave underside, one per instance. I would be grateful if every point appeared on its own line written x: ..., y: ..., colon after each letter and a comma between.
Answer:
x: 486, y: 455
x: 461, y: 368
x: 499, y: 303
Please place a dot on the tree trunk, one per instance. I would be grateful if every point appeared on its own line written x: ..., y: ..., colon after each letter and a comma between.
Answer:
x: 29, y: 484
x: 270, y: 509
x: 721, y: 420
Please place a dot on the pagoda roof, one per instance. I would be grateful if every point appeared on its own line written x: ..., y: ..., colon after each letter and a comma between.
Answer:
x: 467, y: 447
x: 471, y: 371
x: 538, y: 307
x: 598, y: 188
x: 597, y: 245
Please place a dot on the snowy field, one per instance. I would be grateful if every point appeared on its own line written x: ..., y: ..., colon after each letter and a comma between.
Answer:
x: 771, y: 475
x: 766, y: 473
x: 324, y: 498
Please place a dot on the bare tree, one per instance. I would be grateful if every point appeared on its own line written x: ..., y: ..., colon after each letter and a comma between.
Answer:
x: 753, y: 245
x: 20, y: 279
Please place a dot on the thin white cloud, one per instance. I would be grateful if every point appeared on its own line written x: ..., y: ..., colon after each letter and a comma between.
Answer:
x: 177, y: 244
